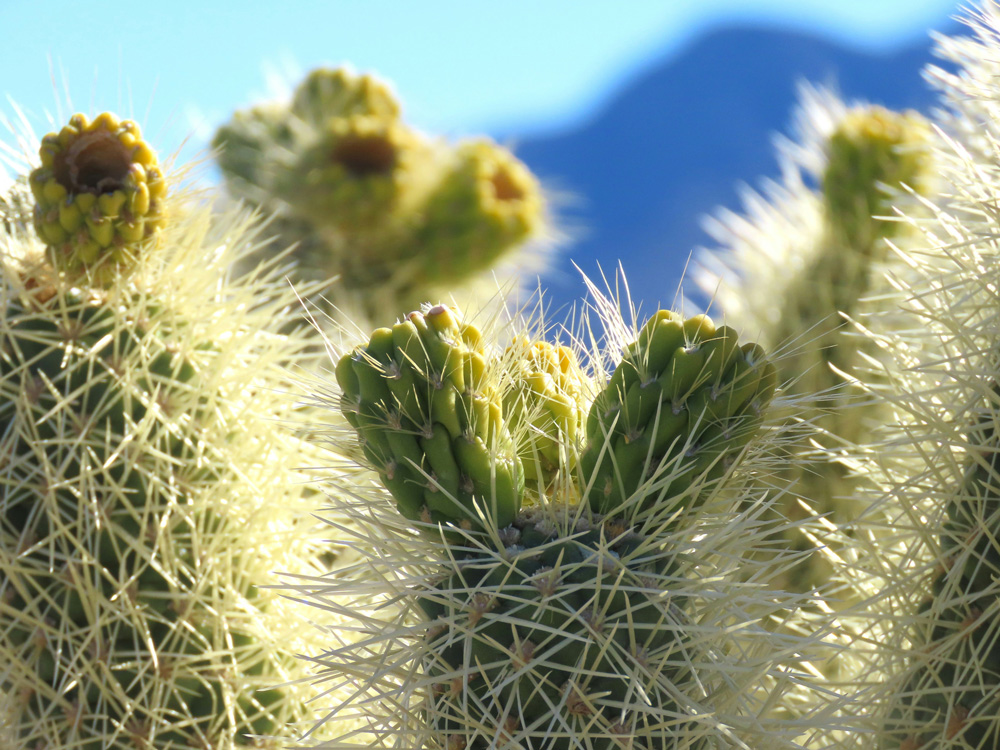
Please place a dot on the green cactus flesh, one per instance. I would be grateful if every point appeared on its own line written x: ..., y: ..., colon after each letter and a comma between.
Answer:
x: 429, y: 423
x: 98, y: 196
x: 562, y: 641
x: 544, y: 407
x: 684, y: 401
x: 97, y: 555
x: 950, y: 689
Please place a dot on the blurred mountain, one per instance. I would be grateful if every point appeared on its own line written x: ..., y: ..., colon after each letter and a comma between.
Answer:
x: 681, y: 138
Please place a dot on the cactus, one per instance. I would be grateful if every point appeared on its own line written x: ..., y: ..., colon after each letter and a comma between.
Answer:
x: 925, y: 552
x: 686, y: 396
x: 559, y: 626
x: 431, y: 427
x: 800, y: 267
x: 98, y: 195
x: 369, y: 201
x: 137, y: 415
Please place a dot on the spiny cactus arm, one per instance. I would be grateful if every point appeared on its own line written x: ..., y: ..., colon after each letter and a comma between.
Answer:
x: 680, y: 406
x: 430, y: 424
x: 138, y: 444
x: 928, y: 542
x: 566, y: 627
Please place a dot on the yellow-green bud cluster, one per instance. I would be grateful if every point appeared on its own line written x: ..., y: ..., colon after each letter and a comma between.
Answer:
x: 486, y: 203
x: 953, y: 674
x: 354, y: 175
x: 544, y: 407
x: 329, y: 92
x: 684, y: 401
x: 430, y: 424
x: 371, y: 201
x: 98, y: 196
x: 872, y: 152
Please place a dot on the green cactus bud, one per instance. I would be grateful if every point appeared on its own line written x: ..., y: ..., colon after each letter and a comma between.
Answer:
x: 684, y: 401
x: 98, y: 196
x: 336, y: 92
x: 437, y: 438
x: 355, y: 176
x: 871, y: 153
x: 544, y: 408
x: 486, y: 204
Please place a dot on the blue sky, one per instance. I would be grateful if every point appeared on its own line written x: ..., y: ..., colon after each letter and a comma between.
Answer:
x: 461, y: 66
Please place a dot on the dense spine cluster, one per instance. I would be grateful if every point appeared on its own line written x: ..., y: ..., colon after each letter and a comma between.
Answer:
x: 798, y: 268
x: 937, y: 573
x: 554, y: 637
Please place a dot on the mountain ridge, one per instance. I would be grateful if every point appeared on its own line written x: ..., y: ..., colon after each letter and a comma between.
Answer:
x: 677, y: 143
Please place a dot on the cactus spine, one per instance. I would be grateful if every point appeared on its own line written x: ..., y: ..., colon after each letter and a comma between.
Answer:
x: 396, y: 217
x: 137, y: 445
x: 557, y: 626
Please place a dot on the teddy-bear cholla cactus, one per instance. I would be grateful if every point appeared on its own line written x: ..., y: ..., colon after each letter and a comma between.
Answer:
x: 430, y: 425
x: 686, y: 396
x: 929, y: 544
x: 566, y: 628
x: 98, y: 195
x: 144, y: 497
x: 544, y: 403
x: 799, y: 265
x: 369, y: 200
